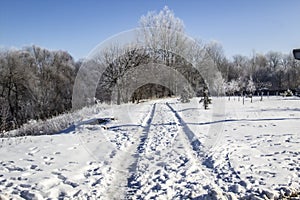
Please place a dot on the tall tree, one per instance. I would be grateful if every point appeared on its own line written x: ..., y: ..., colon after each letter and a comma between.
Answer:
x: 163, y: 31
x: 216, y: 54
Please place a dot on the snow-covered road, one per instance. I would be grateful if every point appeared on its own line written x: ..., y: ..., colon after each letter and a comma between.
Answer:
x: 162, y: 149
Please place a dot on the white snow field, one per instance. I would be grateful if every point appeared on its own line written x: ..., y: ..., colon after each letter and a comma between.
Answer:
x: 163, y: 149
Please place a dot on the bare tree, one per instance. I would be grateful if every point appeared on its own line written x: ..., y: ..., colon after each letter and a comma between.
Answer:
x: 117, y: 61
x: 274, y: 59
x: 216, y: 54
x: 240, y: 64
x: 16, y: 88
x: 55, y: 73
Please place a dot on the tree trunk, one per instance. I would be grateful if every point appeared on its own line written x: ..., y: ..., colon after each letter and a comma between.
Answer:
x: 118, y: 96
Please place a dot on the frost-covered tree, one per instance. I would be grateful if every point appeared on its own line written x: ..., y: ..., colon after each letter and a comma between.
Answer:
x: 232, y: 87
x: 219, y: 85
x: 163, y: 32
x: 251, y: 88
x: 164, y: 36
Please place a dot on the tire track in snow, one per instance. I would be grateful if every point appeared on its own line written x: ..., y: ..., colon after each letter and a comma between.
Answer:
x: 165, y: 169
x: 122, y: 162
x: 146, y: 124
x: 195, y: 144
x: 193, y: 140
x: 132, y: 184
x: 227, y: 173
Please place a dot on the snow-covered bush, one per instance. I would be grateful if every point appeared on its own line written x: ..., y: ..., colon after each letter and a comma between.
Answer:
x: 231, y: 88
x: 56, y: 124
x: 288, y: 93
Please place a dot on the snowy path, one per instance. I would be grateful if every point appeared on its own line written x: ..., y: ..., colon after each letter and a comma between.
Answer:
x: 167, y: 165
x: 124, y: 161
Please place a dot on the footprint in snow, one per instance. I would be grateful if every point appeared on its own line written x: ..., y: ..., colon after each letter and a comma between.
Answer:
x: 31, y: 167
x: 10, y: 184
x: 72, y: 148
x: 73, y: 162
x: 26, y: 159
x: 48, y: 160
x: 23, y: 185
x: 33, y: 150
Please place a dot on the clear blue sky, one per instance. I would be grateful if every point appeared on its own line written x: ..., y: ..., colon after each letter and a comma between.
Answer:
x: 241, y: 26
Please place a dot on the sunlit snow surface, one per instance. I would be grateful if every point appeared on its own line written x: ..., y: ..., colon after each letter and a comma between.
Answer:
x: 155, y: 149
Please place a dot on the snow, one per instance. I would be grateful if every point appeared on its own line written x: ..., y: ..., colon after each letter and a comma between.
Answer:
x: 163, y: 149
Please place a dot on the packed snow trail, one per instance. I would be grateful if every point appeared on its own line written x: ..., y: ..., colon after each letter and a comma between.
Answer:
x: 132, y: 184
x: 193, y: 140
x: 123, y: 162
x: 231, y: 176
x: 166, y: 167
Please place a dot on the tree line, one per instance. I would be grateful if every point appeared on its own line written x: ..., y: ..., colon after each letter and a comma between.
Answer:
x: 35, y: 83
x: 271, y: 71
